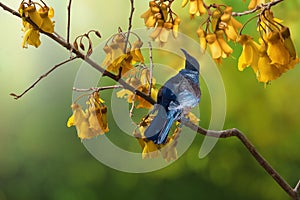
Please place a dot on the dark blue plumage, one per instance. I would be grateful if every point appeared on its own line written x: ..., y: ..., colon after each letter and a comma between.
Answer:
x: 175, y: 98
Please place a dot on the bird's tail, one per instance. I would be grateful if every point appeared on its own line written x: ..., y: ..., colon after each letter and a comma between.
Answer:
x: 161, y: 124
x: 171, y: 117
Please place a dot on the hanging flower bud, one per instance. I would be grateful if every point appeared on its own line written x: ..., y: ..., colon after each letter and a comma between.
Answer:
x: 158, y: 29
x: 214, y: 46
x: 288, y: 43
x: 215, y: 19
x: 250, y: 55
x: 165, y: 32
x: 224, y: 46
x: 276, y: 49
x: 136, y: 51
x: 46, y: 14
x: 229, y: 24
x: 175, y: 28
x: 202, y: 37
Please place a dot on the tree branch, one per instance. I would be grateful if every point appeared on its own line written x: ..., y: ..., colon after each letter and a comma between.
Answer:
x: 97, y: 89
x: 41, y: 77
x: 69, y: 21
x: 129, y: 24
x: 293, y: 193
x: 151, y: 67
x: 265, y: 5
x: 250, y: 147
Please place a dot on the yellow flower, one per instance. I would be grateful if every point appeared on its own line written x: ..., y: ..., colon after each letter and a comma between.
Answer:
x: 150, y: 150
x: 92, y: 121
x: 136, y: 51
x: 202, y: 37
x: 214, y: 46
x: 276, y: 49
x: 41, y: 18
x: 151, y: 15
x: 143, y: 85
x: 229, y: 24
x: 98, y: 114
x: 226, y: 49
x: 250, y: 55
x: 175, y: 28
x: 266, y: 70
x: 288, y: 43
x: 31, y: 36
x: 196, y: 7
x: 168, y: 150
x: 46, y: 14
x: 254, y: 3
x: 116, y: 59
x: 161, y: 32
x: 124, y: 93
x: 32, y: 13
x: 123, y: 61
x: 108, y: 58
x: 79, y: 119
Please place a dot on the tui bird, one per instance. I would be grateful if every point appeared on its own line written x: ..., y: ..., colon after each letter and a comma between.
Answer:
x: 175, y: 99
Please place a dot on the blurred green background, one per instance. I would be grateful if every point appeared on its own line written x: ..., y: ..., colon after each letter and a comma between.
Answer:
x: 40, y: 158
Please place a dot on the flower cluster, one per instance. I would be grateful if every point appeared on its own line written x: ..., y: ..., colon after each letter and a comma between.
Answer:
x: 119, y: 58
x: 275, y: 53
x: 197, y: 7
x: 161, y: 16
x: 92, y: 121
x: 150, y: 149
x: 219, y: 25
x: 41, y: 18
x: 142, y: 84
x: 168, y: 149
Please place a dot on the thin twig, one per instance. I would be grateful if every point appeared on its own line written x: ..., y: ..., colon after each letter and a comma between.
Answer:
x: 69, y: 21
x: 151, y: 68
x: 132, y: 107
x: 265, y: 5
x: 41, y: 77
x: 219, y: 134
x: 97, y: 89
x: 129, y: 25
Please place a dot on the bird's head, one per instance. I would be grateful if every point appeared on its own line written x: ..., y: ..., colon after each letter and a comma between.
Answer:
x: 190, y: 62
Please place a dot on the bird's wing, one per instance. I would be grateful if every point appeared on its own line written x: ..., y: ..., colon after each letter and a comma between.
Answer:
x: 157, y: 123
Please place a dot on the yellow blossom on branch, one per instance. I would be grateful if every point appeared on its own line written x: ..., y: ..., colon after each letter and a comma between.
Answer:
x: 92, y: 121
x: 196, y: 7
x: 142, y: 84
x: 117, y: 59
x: 164, y: 21
x: 151, y: 150
x: 250, y: 54
x: 229, y: 24
x: 41, y: 18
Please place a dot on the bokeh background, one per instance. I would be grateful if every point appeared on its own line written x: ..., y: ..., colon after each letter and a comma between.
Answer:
x: 40, y: 158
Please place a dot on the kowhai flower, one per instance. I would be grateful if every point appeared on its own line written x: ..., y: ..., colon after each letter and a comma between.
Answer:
x: 151, y: 150
x: 250, y: 54
x: 196, y: 7
x: 116, y: 59
x: 164, y: 21
x: 229, y: 24
x: 92, y: 121
x: 41, y: 18
x: 142, y: 84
